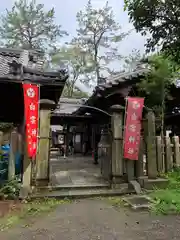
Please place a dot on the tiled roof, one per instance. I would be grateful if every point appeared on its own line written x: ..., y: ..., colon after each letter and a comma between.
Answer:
x: 67, y: 106
x: 34, y: 76
x: 22, y: 65
x: 116, y: 81
x: 7, y: 55
x: 121, y: 78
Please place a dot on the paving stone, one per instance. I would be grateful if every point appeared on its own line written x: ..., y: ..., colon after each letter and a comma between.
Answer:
x: 138, y: 202
x: 80, y: 170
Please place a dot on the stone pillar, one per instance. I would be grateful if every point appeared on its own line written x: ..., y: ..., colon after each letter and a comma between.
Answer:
x: 117, y: 144
x: 151, y: 146
x: 26, y: 163
x: 27, y: 172
x: 42, y: 157
x: 12, y: 155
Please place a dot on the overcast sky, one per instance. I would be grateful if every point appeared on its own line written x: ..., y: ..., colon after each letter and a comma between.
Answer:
x: 66, y: 16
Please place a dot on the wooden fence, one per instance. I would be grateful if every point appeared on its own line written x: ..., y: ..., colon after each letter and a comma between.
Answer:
x: 156, y: 155
x: 168, y: 153
x: 166, y: 157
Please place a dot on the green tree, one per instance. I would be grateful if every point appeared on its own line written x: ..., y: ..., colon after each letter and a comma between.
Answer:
x: 28, y: 25
x: 156, y: 85
x: 99, y: 34
x: 76, y: 93
x: 75, y: 59
x: 159, y: 18
x: 132, y: 60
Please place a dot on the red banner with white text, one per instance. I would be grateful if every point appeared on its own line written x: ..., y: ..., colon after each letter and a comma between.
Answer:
x: 132, y: 133
x: 31, y: 109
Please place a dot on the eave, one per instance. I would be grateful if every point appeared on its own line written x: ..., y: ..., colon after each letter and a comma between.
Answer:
x: 119, y: 85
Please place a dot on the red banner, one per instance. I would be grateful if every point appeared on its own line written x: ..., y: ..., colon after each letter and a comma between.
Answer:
x: 133, y: 127
x: 31, y: 107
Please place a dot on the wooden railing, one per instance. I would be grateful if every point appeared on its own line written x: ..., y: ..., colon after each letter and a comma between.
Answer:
x: 166, y: 157
x: 168, y: 153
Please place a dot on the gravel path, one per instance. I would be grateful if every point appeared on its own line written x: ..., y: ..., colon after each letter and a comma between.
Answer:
x: 96, y: 219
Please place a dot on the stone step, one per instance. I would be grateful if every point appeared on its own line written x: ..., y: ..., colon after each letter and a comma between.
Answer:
x: 138, y: 202
x: 74, y: 186
x: 83, y: 193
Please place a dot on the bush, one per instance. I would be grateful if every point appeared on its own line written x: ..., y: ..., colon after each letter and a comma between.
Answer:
x: 167, y: 200
x: 10, y: 189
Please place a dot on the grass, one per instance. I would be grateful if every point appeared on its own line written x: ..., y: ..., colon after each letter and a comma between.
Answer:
x: 115, y: 201
x: 30, y: 210
x: 167, y: 201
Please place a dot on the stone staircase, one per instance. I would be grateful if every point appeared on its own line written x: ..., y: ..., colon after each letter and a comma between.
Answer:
x: 80, y: 191
x: 76, y: 177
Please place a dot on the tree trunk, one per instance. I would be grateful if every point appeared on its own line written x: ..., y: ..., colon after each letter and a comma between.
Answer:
x: 97, y: 66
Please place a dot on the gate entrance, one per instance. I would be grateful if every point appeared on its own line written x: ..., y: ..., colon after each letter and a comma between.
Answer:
x: 78, y: 148
x: 84, y: 158
x: 75, y: 171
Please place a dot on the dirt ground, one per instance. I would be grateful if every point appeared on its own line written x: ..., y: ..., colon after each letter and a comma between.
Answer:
x: 9, y: 206
x: 97, y: 219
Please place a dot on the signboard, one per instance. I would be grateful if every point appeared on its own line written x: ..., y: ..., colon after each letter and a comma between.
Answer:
x: 61, y: 139
x: 31, y: 108
x: 133, y: 127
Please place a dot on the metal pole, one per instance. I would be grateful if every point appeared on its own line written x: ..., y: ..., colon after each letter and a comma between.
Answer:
x: 85, y: 106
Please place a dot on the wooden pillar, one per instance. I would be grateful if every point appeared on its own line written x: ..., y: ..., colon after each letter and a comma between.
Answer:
x: 117, y: 144
x: 93, y: 137
x: 20, y: 151
x: 42, y: 157
x: 1, y: 140
x: 105, y: 153
x: 151, y: 146
x: 176, y: 155
x: 67, y: 140
x: 139, y: 164
x: 12, y: 154
x: 20, y: 143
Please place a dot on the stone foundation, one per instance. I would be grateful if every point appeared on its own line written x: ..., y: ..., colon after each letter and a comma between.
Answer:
x: 150, y: 184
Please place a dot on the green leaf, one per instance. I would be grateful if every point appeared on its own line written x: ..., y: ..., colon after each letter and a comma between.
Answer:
x: 162, y: 20
x: 99, y: 34
x: 28, y: 25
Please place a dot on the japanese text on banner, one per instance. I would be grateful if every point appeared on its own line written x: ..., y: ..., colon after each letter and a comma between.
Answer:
x: 31, y: 106
x: 133, y: 127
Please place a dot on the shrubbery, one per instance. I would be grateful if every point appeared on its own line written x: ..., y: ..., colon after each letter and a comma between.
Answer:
x: 10, y: 189
x: 167, y: 201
